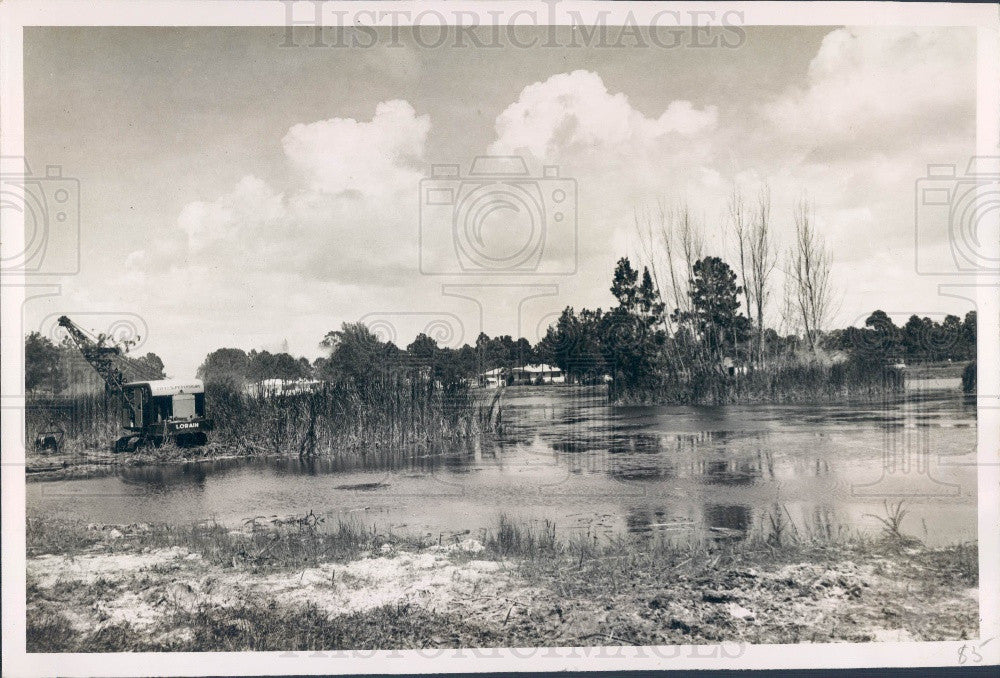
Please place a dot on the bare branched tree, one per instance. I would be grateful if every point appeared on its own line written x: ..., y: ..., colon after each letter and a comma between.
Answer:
x: 671, y: 243
x: 789, y: 321
x: 809, y: 268
x: 756, y: 258
x: 649, y: 224
x: 738, y: 219
x: 763, y: 259
x: 691, y: 244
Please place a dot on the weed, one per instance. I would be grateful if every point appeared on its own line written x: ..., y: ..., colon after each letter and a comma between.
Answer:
x: 893, y: 521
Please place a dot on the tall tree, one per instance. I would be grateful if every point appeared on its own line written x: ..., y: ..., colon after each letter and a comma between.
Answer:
x: 225, y: 366
x: 631, y: 334
x: 573, y: 344
x: 716, y: 306
x: 147, y: 367
x: 648, y: 302
x: 969, y: 335
x: 356, y: 353
x: 740, y: 223
x: 949, y: 339
x: 422, y: 351
x: 880, y: 340
x: 810, y: 265
x: 762, y: 263
x: 623, y: 285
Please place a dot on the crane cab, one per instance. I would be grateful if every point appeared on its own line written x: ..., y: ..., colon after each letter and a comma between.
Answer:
x: 156, y: 410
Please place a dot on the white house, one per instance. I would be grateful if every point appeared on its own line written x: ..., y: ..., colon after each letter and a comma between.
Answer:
x: 492, y: 378
x: 269, y: 388
x: 538, y: 374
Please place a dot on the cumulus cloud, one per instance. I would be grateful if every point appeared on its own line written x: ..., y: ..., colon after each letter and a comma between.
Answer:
x: 617, y: 154
x: 250, y: 207
x: 877, y: 105
x: 879, y: 88
x: 346, y: 219
x: 370, y: 158
x: 576, y: 112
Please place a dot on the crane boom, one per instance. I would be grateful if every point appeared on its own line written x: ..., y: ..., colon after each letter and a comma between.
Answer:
x: 100, y: 357
x: 157, y: 409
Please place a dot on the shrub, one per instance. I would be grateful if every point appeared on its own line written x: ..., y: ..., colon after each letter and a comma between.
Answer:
x: 969, y: 378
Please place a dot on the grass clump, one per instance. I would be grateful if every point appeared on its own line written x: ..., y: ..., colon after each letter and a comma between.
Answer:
x: 259, y: 545
x: 514, y: 539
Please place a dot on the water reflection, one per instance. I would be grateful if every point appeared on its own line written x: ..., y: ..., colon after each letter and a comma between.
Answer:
x: 731, y: 518
x: 164, y: 478
x: 567, y: 456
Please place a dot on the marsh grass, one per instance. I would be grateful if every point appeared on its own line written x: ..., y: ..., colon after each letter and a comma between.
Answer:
x: 83, y: 421
x: 390, y: 408
x: 582, y: 562
x: 783, y: 380
x: 48, y: 535
x: 680, y: 575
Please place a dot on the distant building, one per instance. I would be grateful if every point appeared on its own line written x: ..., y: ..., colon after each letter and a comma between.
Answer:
x: 522, y: 376
x: 732, y: 368
x: 538, y: 374
x: 269, y: 388
x: 493, y: 378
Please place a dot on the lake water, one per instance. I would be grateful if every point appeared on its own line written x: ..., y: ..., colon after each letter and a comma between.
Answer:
x: 568, y: 457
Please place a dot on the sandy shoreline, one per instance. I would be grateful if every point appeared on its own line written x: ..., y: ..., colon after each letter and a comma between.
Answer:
x: 123, y: 588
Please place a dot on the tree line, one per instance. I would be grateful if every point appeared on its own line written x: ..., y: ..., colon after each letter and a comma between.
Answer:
x: 628, y: 342
x: 59, y: 367
x: 681, y: 315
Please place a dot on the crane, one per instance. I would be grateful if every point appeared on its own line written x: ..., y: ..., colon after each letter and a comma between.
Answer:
x: 153, y: 410
x: 100, y: 356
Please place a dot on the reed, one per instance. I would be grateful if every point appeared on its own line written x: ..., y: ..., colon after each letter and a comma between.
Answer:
x: 85, y: 421
x: 787, y: 380
x: 387, y: 409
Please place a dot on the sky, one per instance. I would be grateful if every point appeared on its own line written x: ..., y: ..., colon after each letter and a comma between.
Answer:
x: 239, y: 192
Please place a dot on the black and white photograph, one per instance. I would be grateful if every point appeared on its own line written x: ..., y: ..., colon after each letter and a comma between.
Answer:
x: 443, y: 336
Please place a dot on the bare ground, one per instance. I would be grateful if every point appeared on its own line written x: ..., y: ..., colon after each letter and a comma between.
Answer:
x: 103, y: 588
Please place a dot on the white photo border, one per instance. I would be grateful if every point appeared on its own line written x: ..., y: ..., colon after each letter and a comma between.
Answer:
x: 17, y: 14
